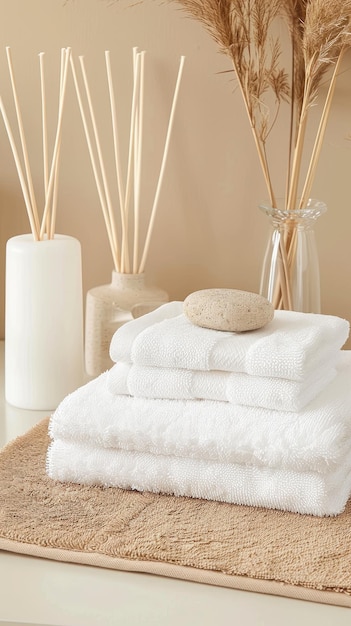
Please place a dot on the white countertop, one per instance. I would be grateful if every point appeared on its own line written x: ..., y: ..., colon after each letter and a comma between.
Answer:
x: 37, y: 591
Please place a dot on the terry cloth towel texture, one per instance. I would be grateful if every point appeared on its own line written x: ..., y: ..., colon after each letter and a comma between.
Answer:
x: 315, y: 439
x: 291, y: 346
x: 241, y: 547
x: 181, y: 384
x: 311, y: 493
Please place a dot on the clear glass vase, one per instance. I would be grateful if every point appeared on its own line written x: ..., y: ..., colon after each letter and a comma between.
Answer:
x: 127, y: 297
x: 290, y: 274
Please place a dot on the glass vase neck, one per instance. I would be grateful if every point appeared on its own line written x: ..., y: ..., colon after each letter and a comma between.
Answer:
x: 310, y: 213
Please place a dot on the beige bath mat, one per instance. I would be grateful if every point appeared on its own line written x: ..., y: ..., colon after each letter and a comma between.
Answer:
x: 215, y: 543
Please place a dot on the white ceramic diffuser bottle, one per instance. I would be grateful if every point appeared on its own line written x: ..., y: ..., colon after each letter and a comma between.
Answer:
x: 108, y: 307
x: 44, y: 359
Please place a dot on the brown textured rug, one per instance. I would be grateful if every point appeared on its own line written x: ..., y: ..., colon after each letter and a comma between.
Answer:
x: 241, y: 547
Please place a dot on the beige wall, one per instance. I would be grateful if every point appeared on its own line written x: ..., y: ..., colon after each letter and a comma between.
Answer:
x: 209, y: 231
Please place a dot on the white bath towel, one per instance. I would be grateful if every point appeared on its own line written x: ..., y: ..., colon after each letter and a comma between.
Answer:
x: 313, y: 439
x: 299, y: 492
x: 181, y: 384
x: 291, y: 346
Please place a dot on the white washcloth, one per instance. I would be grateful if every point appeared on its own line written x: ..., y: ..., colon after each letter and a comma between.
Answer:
x: 180, y: 384
x: 291, y: 346
x: 313, y: 439
x: 299, y: 492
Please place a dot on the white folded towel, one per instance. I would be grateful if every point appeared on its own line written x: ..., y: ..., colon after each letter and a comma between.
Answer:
x: 299, y: 492
x: 291, y: 346
x: 180, y: 384
x: 313, y: 439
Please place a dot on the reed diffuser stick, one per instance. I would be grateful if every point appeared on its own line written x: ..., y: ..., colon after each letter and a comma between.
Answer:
x: 44, y: 130
x: 32, y: 221
x: 100, y: 155
x: 162, y: 170
x: 138, y: 161
x: 98, y: 182
x: 125, y: 264
x: 116, y: 145
x: 23, y: 139
x: 56, y: 145
x: 52, y: 220
x: 135, y: 158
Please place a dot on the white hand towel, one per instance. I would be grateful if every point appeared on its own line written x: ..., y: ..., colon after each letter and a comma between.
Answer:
x: 291, y: 346
x: 180, y: 384
x: 313, y: 439
x: 121, y: 344
x: 299, y: 492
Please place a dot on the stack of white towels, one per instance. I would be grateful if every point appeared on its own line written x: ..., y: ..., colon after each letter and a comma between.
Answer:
x: 261, y: 418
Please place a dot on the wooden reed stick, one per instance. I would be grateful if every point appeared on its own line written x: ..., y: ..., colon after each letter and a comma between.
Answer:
x: 125, y: 264
x: 52, y: 225
x: 115, y: 131
x: 138, y: 159
x: 163, y: 164
x: 135, y: 152
x: 94, y: 167
x: 44, y: 130
x: 56, y: 145
x: 23, y: 140
x: 100, y: 156
x: 32, y: 221
x: 52, y: 217
x: 120, y: 184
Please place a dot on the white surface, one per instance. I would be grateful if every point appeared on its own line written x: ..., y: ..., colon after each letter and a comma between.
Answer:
x: 41, y: 592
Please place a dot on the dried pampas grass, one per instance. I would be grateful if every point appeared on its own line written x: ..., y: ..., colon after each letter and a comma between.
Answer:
x: 244, y: 31
x: 319, y: 34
